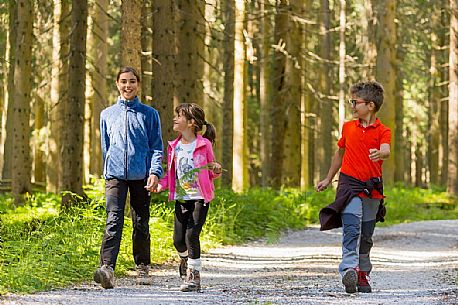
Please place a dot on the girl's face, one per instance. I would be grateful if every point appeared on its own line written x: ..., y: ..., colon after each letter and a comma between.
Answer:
x: 181, y: 123
x: 127, y: 85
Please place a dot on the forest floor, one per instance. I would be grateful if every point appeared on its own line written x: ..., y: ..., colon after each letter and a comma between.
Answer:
x: 414, y: 263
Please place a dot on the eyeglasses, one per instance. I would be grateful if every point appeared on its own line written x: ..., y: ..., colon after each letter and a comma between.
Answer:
x: 354, y: 102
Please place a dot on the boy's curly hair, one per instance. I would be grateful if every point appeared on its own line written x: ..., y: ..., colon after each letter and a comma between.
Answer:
x: 370, y: 91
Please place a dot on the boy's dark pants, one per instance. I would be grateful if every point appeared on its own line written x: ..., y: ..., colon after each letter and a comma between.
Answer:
x: 190, y: 216
x: 116, y: 195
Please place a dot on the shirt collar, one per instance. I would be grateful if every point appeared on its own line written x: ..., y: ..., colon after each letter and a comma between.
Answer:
x: 374, y: 125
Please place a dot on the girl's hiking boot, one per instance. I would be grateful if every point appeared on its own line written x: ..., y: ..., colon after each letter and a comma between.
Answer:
x: 192, y: 281
x: 143, y: 277
x: 350, y: 280
x: 104, y: 276
x: 183, y: 267
x: 363, y: 282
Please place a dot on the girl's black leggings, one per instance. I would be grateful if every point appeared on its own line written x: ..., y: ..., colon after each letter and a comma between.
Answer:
x: 190, y: 216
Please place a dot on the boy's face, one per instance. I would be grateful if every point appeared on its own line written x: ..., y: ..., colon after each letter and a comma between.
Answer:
x: 127, y: 85
x: 361, y: 108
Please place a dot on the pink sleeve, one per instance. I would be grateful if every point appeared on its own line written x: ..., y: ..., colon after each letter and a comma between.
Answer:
x: 211, y: 158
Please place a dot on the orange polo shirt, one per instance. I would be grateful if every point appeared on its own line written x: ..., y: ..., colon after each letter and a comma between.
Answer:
x: 357, y: 140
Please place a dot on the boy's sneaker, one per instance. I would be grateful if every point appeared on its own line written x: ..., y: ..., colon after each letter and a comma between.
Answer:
x: 192, y: 281
x: 363, y: 282
x: 183, y: 267
x: 350, y: 280
x: 104, y: 276
x: 143, y: 277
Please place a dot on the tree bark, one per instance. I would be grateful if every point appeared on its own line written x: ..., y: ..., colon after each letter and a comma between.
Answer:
x: 326, y: 147
x: 7, y: 115
x: 131, y: 34
x: 163, y: 83
x: 190, y: 63
x: 292, y: 165
x: 386, y: 75
x: 452, y: 181
x: 228, y: 96
x: 278, y: 113
x: 265, y: 91
x: 240, y: 152
x: 72, y: 142
x: 21, y: 163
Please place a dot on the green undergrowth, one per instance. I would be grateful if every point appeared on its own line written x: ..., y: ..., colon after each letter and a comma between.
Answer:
x: 44, y: 247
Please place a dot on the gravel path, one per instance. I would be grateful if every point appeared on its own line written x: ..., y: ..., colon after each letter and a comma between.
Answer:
x: 413, y: 264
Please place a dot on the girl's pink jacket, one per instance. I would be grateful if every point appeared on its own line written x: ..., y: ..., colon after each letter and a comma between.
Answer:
x: 203, y: 154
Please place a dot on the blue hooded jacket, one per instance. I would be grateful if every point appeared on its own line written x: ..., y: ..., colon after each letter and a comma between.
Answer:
x: 131, y: 140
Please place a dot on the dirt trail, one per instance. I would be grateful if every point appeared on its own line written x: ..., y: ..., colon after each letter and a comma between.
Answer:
x: 413, y: 264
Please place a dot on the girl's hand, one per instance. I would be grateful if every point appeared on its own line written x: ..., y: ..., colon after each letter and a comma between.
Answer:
x: 322, y: 185
x: 215, y: 167
x: 158, y: 189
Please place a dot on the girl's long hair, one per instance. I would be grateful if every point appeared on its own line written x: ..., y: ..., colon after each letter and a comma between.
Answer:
x: 194, y: 112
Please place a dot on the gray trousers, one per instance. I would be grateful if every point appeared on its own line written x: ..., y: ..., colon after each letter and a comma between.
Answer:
x: 358, y: 224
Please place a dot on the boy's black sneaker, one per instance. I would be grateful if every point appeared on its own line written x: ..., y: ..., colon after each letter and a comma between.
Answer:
x: 363, y: 282
x: 183, y: 267
x: 350, y: 280
x: 104, y: 276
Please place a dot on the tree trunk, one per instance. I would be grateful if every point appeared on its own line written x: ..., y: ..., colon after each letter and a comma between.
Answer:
x: 368, y: 43
x: 386, y: 75
x: 452, y: 181
x: 146, y: 54
x: 21, y: 163
x: 228, y: 96
x: 444, y: 72
x: 98, y: 80
x: 59, y: 92
x: 342, y: 54
x: 292, y: 164
x: 265, y: 91
x: 131, y: 34
x: 72, y: 142
x: 163, y: 83
x: 434, y: 100
x: 7, y: 115
x: 240, y: 152
x: 190, y: 63
x: 326, y: 147
x: 278, y: 113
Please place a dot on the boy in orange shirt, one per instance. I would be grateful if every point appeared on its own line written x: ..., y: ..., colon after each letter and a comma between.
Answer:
x: 364, y: 144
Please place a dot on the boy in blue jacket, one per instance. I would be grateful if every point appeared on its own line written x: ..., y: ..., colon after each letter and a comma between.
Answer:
x: 132, y: 152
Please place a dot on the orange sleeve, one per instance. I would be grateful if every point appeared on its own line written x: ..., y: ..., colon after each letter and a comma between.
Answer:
x: 341, y: 142
x: 385, y: 136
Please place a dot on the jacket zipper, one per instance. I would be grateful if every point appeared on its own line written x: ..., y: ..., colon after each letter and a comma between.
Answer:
x: 125, y: 145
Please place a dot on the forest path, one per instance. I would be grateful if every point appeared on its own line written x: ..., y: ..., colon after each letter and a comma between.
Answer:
x: 414, y: 263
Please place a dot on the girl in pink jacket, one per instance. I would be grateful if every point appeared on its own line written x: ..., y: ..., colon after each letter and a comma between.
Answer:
x: 191, y: 168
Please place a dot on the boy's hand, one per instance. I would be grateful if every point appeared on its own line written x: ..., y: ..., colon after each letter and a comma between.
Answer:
x: 322, y: 185
x: 374, y: 155
x: 215, y: 167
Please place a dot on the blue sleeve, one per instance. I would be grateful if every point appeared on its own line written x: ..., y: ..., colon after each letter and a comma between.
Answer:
x: 105, y: 140
x: 155, y: 145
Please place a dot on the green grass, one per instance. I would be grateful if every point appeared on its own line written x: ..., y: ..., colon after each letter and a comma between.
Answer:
x: 43, y: 247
